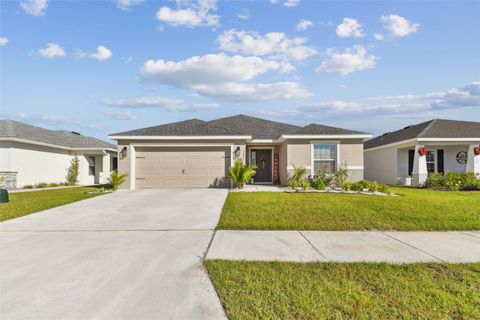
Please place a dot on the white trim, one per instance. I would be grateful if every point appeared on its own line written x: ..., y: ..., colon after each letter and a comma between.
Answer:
x: 355, y: 167
x: 269, y: 141
x: 114, y: 137
x: 326, y: 136
x: 132, y: 168
x: 52, y: 145
x: 408, y: 142
x: 450, y: 139
x: 166, y: 145
x: 262, y: 148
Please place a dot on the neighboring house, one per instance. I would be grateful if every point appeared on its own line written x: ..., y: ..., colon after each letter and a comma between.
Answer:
x: 407, y: 156
x: 196, y: 153
x: 31, y: 155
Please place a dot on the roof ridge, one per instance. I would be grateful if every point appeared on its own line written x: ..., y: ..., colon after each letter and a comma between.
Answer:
x: 424, y: 130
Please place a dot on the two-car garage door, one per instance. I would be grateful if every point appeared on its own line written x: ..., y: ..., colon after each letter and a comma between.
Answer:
x: 181, y: 167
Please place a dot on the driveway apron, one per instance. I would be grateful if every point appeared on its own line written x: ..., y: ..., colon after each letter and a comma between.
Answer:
x: 128, y: 255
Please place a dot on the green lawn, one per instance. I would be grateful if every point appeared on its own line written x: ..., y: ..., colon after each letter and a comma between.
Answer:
x: 416, y: 209
x: 23, y: 203
x: 285, y: 290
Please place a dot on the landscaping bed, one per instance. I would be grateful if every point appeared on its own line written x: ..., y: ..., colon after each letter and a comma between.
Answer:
x: 415, y: 209
x: 24, y: 203
x: 285, y: 290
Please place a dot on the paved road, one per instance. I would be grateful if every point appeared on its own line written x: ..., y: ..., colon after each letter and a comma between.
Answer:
x: 128, y: 255
x: 347, y: 246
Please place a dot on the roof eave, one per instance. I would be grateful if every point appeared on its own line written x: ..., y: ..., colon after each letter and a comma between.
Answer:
x: 219, y: 137
x: 326, y: 136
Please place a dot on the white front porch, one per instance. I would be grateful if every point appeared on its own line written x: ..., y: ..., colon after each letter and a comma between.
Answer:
x: 413, y: 165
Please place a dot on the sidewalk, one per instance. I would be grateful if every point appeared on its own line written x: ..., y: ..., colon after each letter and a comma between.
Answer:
x: 346, y: 246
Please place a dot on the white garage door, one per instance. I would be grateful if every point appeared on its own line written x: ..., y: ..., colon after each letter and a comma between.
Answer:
x: 181, y: 167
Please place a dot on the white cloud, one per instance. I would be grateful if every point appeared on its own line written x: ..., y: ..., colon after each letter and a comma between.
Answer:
x: 272, y: 44
x: 103, y: 53
x: 245, y: 92
x: 127, y: 4
x: 398, y: 26
x: 168, y: 104
x: 190, y: 14
x: 3, y: 41
x: 52, y: 120
x: 53, y: 50
x: 304, y: 24
x: 244, y: 14
x: 467, y: 96
x: 144, y: 102
x: 34, y: 7
x: 350, y: 28
x: 207, y: 70
x: 291, y: 3
x: 348, y: 61
x: 121, y: 115
x: 379, y: 36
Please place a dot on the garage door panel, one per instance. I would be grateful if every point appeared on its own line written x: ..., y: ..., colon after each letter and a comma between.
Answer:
x: 177, y: 167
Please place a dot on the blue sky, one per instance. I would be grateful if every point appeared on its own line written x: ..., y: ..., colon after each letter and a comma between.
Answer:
x: 104, y: 67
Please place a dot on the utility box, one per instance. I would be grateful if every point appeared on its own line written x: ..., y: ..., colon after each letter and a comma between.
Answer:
x: 3, y: 195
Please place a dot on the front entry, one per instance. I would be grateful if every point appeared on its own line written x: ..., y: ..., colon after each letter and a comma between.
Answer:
x: 262, y: 158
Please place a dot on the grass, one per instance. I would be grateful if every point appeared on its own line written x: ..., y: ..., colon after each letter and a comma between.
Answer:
x: 24, y: 203
x: 285, y: 290
x: 416, y: 209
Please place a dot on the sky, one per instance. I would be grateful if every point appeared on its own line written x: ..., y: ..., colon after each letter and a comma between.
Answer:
x: 100, y: 67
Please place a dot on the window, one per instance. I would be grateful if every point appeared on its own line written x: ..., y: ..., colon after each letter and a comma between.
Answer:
x: 324, y: 157
x: 430, y: 157
x: 91, y: 165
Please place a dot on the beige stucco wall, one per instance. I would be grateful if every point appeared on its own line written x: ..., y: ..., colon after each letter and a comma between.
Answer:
x: 282, y: 151
x: 381, y: 165
x: 35, y: 164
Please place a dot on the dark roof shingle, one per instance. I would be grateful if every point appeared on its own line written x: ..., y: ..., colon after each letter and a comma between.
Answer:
x: 235, y: 125
x: 20, y: 130
x: 436, y: 128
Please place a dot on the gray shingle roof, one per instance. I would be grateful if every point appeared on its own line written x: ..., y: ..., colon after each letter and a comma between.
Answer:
x: 235, y: 125
x: 193, y: 127
x: 436, y: 128
x: 20, y: 130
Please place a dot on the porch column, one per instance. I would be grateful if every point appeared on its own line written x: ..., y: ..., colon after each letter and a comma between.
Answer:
x: 419, y: 173
x: 105, y: 173
x: 473, y: 161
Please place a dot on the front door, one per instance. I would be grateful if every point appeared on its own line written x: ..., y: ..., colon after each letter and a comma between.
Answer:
x: 262, y: 158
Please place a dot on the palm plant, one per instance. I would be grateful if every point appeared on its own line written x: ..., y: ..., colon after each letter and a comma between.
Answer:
x: 241, y: 173
x: 297, y: 180
x: 116, y: 180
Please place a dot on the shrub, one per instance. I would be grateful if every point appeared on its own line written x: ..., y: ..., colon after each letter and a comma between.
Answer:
x: 347, y: 186
x: 318, y: 184
x: 340, y: 175
x: 116, y: 180
x: 453, y: 181
x: 305, y: 184
x: 357, y: 186
x: 28, y: 186
x: 435, y: 181
x: 241, y: 173
x: 73, y: 171
x: 373, y: 186
x: 297, y: 179
x: 383, y: 188
x: 470, y: 182
x: 41, y: 185
x: 53, y: 184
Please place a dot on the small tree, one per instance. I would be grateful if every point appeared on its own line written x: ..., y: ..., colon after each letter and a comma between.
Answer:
x: 341, y: 175
x: 73, y: 171
x: 116, y: 180
x: 241, y: 173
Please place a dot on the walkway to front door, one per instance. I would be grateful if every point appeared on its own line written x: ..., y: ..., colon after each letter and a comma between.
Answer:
x: 262, y: 158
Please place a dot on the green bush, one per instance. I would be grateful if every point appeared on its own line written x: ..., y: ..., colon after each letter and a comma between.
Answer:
x: 54, y: 184
x: 357, y: 186
x: 347, y: 186
x: 42, y: 185
x: 340, y: 175
x: 297, y: 180
x: 318, y: 184
x: 241, y: 173
x: 305, y: 184
x: 452, y: 181
x: 435, y: 181
x: 115, y: 180
x: 28, y: 186
x: 383, y: 188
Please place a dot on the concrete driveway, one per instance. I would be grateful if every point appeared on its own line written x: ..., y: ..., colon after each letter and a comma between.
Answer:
x: 128, y: 255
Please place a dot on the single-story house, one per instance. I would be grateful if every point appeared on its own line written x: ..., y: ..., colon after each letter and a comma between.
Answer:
x: 196, y: 153
x: 30, y: 155
x: 406, y: 156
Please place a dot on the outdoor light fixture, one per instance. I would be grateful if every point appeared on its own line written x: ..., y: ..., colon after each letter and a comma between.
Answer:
x: 236, y: 153
x: 123, y: 153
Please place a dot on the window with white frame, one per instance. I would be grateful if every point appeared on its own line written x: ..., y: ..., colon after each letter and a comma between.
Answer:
x: 91, y: 165
x: 430, y: 157
x: 324, y: 157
